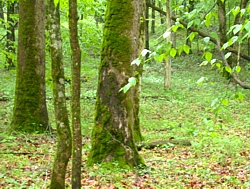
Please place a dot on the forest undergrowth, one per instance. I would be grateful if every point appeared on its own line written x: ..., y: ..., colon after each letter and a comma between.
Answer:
x: 213, y: 115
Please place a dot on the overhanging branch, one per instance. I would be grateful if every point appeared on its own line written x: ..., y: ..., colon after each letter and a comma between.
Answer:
x: 200, y: 33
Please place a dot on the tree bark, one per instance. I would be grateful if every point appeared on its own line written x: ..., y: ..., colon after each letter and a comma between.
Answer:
x: 1, y: 11
x: 153, y: 18
x: 64, y: 144
x: 190, y: 9
x: 75, y: 91
x: 112, y: 135
x: 30, y: 110
x: 137, y: 89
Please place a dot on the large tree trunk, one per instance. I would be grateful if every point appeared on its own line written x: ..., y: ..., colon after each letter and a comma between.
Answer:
x: 30, y: 110
x: 64, y: 144
x: 75, y: 102
x: 10, y: 36
x: 112, y: 135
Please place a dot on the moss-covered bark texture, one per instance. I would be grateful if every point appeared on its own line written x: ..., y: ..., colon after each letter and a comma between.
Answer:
x: 30, y: 111
x: 113, y: 132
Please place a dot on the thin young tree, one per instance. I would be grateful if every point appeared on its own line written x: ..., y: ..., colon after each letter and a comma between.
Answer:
x: 64, y: 144
x: 30, y: 110
x: 10, y: 49
x: 113, y: 135
x: 75, y: 91
x: 167, y: 67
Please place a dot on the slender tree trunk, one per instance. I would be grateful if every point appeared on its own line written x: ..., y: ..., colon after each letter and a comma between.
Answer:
x: 1, y: 11
x: 223, y: 31
x: 10, y: 36
x: 137, y: 89
x: 162, y: 16
x: 167, y: 76
x: 190, y: 9
x: 64, y: 145
x: 112, y: 135
x: 30, y: 110
x: 75, y: 102
x: 238, y: 20
x: 153, y: 18
x: 146, y: 27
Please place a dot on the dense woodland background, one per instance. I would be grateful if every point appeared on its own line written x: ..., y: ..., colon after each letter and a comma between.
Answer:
x: 194, y: 97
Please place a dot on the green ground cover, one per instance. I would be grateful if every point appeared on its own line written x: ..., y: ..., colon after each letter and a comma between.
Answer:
x: 213, y: 115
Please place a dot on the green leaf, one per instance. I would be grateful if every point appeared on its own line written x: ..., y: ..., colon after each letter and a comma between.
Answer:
x: 218, y: 65
x: 175, y: 28
x: 204, y: 63
x: 237, y: 28
x: 132, y: 81
x: 186, y: 49
x: 236, y: 10
x: 247, y: 26
x: 225, y: 102
x: 190, y: 24
x: 208, y: 19
x: 200, y: 81
x: 238, y: 69
x: 144, y: 52
x: 213, y: 61
x: 125, y: 88
x: 192, y: 36
x: 206, y: 39
x: 239, y: 96
x: 228, y: 69
x: 208, y: 56
x: 227, y: 55
x: 136, y: 61
x: 173, y: 52
x: 56, y: 2
x: 166, y: 34
x: 159, y: 58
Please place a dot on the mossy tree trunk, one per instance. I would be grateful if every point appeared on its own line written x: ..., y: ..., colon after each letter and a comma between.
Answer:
x: 30, y: 110
x: 75, y: 90
x: 64, y: 145
x: 112, y: 135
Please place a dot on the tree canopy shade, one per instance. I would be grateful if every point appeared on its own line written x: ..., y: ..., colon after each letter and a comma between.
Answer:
x: 30, y: 111
x: 113, y: 132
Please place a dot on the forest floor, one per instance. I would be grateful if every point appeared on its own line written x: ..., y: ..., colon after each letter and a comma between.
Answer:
x: 214, y: 116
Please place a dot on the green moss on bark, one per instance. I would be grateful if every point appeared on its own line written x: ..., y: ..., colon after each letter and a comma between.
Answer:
x: 30, y: 111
